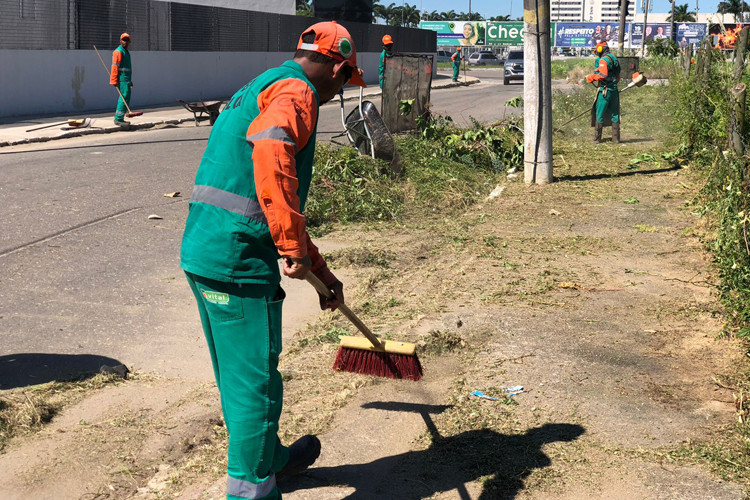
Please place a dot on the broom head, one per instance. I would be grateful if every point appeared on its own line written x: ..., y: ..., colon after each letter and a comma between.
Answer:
x: 395, y: 360
x: 134, y: 113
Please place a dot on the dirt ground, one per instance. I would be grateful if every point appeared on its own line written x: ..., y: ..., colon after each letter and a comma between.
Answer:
x: 593, y: 293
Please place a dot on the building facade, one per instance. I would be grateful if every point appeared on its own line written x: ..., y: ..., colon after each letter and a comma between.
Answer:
x: 571, y: 11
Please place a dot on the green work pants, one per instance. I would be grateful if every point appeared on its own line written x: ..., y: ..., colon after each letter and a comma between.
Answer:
x: 242, y: 324
x: 124, y: 87
x: 456, y: 68
x: 608, y: 104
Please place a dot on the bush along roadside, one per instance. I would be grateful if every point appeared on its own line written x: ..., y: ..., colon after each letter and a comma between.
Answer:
x: 705, y: 119
x: 444, y: 168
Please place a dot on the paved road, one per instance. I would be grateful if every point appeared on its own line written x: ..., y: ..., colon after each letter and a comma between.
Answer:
x: 85, y: 272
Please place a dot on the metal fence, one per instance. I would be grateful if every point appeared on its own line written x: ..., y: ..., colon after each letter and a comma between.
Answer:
x: 156, y: 25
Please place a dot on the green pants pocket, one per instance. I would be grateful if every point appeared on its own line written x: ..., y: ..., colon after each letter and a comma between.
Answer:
x: 220, y: 304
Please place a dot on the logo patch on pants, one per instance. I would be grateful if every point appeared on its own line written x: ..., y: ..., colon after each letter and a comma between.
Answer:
x: 216, y: 297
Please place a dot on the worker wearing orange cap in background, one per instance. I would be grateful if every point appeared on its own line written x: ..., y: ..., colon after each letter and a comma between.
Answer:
x: 386, y: 54
x: 121, y: 76
x: 607, y: 105
x: 456, y: 61
x: 246, y: 212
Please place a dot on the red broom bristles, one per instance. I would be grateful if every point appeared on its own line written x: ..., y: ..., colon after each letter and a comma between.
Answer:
x: 378, y: 363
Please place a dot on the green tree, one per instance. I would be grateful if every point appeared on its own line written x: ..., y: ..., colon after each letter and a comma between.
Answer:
x: 431, y: 16
x: 403, y: 15
x: 499, y: 18
x: 304, y: 8
x: 380, y: 11
x: 681, y: 14
x: 448, y: 16
x: 735, y: 7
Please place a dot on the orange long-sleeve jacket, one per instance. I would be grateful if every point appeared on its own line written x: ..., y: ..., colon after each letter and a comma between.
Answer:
x: 287, y: 120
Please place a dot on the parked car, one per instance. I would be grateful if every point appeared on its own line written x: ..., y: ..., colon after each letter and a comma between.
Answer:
x: 482, y: 59
x: 444, y: 55
x: 513, y: 67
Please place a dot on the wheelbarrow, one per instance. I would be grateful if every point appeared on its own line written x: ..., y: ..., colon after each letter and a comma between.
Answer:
x: 366, y: 131
x: 210, y: 108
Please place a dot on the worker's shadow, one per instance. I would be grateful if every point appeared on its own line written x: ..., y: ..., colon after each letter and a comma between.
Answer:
x: 503, y: 461
x: 24, y: 369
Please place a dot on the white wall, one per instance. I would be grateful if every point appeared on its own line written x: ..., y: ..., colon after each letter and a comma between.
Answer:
x: 275, y: 6
x: 37, y: 82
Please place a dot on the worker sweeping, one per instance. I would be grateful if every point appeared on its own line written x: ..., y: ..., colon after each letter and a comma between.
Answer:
x: 387, y: 53
x: 246, y: 212
x: 121, y: 76
x: 607, y: 105
x: 456, y: 61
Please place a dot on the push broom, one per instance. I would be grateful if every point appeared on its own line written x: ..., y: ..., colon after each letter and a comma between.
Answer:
x: 130, y: 113
x: 370, y: 356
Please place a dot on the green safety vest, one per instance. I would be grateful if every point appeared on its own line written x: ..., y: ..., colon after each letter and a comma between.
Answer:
x: 226, y: 234
x: 125, y: 70
x: 613, y: 66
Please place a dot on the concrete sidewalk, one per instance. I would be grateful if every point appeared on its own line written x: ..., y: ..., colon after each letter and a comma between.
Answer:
x: 15, y: 131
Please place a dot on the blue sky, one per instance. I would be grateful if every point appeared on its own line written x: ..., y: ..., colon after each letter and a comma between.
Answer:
x: 490, y: 8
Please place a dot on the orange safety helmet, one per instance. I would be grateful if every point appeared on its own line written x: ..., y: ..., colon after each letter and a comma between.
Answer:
x: 387, y: 40
x: 124, y: 36
x: 601, y: 48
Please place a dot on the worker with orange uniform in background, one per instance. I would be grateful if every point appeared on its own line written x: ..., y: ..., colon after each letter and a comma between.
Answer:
x: 246, y: 212
x: 386, y: 54
x: 121, y: 76
x: 607, y: 105
x: 456, y: 61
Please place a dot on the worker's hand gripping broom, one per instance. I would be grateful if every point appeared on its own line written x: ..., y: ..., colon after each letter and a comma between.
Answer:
x: 370, y: 356
x: 130, y: 113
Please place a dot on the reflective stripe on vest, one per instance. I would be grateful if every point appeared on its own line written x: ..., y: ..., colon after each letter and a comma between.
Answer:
x: 275, y: 133
x: 231, y: 202
x: 246, y: 489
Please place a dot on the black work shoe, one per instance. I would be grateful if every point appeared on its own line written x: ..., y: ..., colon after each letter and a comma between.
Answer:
x: 122, y: 123
x: 302, y: 454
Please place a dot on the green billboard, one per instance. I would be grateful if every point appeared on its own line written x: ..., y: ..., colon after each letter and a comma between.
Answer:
x: 507, y: 34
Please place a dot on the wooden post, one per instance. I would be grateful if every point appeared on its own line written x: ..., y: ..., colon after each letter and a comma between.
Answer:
x: 737, y: 122
x: 739, y: 55
x: 537, y: 93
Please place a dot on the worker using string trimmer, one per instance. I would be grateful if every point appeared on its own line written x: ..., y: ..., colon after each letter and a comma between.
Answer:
x: 246, y: 212
x: 606, y: 108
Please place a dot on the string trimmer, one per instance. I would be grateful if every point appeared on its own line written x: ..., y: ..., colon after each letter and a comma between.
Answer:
x: 639, y: 80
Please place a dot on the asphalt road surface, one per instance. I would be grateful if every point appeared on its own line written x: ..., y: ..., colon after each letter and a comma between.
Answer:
x: 86, y: 273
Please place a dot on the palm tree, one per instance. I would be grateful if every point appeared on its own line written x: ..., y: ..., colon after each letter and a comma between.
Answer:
x: 431, y: 16
x: 681, y: 14
x: 735, y: 7
x: 500, y: 18
x: 380, y: 11
x: 448, y: 16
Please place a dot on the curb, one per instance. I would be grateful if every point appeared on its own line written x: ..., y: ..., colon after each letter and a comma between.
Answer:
x: 178, y: 121
x: 93, y: 131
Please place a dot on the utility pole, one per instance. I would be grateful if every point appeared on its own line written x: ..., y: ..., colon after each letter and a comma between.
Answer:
x: 673, y: 35
x: 537, y: 93
x: 643, y: 37
x: 624, y: 4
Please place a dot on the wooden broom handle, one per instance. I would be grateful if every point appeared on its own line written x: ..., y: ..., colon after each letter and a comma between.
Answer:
x: 115, y: 86
x: 322, y: 289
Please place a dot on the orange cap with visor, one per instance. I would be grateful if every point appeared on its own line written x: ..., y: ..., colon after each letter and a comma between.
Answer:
x: 124, y: 36
x: 334, y: 41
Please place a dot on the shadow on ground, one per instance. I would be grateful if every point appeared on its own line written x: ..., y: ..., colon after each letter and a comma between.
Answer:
x: 591, y: 177
x: 502, y: 461
x: 21, y: 370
